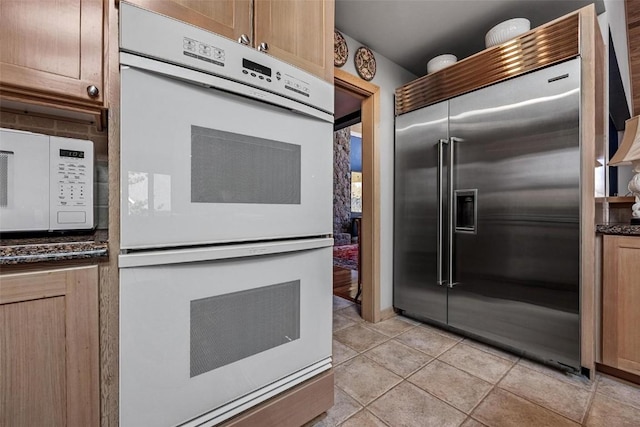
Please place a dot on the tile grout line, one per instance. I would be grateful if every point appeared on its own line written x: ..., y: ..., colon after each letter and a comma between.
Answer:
x: 385, y: 392
x: 544, y: 406
x: 564, y: 380
x: 473, y: 375
x: 490, y: 353
x: 382, y: 395
x: 615, y: 399
x: 364, y: 408
x: 441, y: 400
x: 592, y: 397
x: 540, y: 406
x: 493, y: 387
x: 420, y: 368
x: 367, y: 349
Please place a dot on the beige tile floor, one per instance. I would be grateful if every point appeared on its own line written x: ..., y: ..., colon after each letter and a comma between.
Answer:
x: 403, y: 373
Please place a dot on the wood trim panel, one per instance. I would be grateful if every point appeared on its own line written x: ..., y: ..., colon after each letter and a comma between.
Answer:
x: 7, y: 269
x: 49, y: 100
x: 605, y: 369
x: 92, y: 48
x: 83, y: 379
x: 240, y: 23
x: 593, y: 136
x: 29, y: 286
x: 72, y: 295
x: 598, y: 298
x: 292, y: 408
x: 620, y: 314
x: 370, y: 115
x: 538, y: 48
x: 387, y: 314
x: 632, y: 11
x: 109, y: 290
x: 609, y: 299
x: 32, y: 345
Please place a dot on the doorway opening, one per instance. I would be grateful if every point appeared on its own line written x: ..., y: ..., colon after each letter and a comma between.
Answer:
x: 367, y: 95
x: 347, y: 198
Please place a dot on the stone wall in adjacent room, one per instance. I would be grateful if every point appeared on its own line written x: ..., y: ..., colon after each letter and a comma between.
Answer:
x: 341, y: 181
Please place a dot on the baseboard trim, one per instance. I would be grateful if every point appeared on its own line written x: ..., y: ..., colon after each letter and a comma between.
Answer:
x: 292, y: 408
x: 387, y: 313
x: 618, y: 373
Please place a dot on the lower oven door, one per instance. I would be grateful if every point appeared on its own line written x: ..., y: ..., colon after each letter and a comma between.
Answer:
x: 208, y: 166
x: 216, y: 331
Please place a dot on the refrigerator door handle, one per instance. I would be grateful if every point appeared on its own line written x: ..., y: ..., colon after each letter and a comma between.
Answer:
x: 452, y: 140
x: 441, y: 143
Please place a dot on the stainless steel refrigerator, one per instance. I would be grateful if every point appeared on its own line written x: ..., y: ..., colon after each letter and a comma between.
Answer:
x: 487, y: 214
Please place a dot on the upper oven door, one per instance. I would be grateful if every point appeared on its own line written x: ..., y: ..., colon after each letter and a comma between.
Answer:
x: 201, y: 165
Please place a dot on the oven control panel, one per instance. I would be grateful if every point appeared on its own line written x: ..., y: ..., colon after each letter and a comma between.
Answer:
x: 265, y: 74
x: 254, y: 72
x: 156, y: 36
x: 203, y: 51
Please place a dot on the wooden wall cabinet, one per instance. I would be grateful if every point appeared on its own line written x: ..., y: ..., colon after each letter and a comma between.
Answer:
x: 298, y: 32
x: 51, y: 52
x: 621, y: 303
x: 49, y: 348
x: 229, y: 18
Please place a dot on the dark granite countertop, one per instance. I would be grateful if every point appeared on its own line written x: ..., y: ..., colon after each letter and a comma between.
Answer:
x: 21, y: 250
x: 619, y: 229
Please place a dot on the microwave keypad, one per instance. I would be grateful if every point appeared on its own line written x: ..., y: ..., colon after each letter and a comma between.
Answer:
x: 72, y: 184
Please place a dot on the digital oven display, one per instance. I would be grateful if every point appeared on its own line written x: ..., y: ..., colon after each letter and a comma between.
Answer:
x: 72, y: 153
x: 256, y: 67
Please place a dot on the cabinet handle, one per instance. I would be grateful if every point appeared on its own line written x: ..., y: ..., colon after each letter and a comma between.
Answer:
x: 244, y: 39
x: 263, y: 47
x: 93, y: 91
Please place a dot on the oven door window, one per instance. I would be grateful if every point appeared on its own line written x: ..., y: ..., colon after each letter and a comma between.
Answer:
x: 231, y: 327
x: 227, y: 167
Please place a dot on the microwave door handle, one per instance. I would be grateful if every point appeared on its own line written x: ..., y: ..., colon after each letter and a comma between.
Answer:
x: 4, y: 177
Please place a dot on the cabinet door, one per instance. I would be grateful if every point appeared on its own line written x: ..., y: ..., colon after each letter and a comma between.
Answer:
x: 298, y: 32
x: 49, y: 348
x: 229, y: 18
x: 52, y: 49
x: 621, y: 299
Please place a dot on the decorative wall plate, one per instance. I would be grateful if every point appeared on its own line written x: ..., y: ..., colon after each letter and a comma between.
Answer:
x: 340, y: 49
x: 365, y: 63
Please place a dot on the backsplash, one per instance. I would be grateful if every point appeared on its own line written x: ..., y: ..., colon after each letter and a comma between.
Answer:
x: 49, y: 126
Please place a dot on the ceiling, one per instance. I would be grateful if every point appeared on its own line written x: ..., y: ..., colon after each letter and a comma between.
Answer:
x: 410, y: 32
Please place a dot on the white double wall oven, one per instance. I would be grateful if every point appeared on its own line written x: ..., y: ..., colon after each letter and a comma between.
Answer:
x: 226, y: 206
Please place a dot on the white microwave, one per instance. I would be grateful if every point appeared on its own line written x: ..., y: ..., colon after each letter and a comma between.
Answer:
x: 46, y: 182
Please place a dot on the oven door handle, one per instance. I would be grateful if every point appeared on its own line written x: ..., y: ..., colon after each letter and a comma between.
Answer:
x: 211, y: 253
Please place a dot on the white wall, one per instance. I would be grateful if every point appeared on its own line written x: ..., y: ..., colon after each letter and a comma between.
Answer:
x: 388, y: 77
